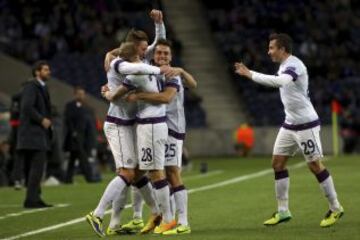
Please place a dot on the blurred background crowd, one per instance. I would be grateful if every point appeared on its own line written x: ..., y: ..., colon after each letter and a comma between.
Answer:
x: 75, y: 35
x: 330, y: 50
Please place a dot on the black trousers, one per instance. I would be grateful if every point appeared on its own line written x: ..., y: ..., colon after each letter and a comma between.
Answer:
x: 18, y: 168
x: 84, y: 163
x: 35, y: 162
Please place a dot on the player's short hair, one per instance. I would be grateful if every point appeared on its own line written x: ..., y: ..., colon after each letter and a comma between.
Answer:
x: 128, y: 51
x: 136, y: 36
x: 282, y: 40
x: 38, y: 66
x: 164, y: 42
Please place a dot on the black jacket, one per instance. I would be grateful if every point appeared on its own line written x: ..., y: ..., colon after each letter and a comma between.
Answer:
x: 35, y: 106
x: 79, y: 127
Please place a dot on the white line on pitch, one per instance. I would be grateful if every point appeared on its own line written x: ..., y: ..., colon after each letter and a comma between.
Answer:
x: 204, y: 175
x: 241, y: 178
x: 54, y: 227
x: 33, y: 211
x: 200, y: 189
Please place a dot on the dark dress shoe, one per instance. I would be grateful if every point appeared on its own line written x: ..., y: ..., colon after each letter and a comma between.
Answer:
x: 45, y: 204
x: 38, y: 204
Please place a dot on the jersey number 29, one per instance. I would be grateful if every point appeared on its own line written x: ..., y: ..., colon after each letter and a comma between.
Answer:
x: 308, y: 146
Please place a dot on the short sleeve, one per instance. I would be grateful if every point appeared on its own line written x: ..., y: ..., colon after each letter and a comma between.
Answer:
x: 117, y: 64
x: 290, y: 70
x: 173, y: 82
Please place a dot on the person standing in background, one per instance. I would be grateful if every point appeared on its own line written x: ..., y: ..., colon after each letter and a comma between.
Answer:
x: 17, y: 165
x: 34, y: 133
x: 244, y: 140
x: 79, y: 136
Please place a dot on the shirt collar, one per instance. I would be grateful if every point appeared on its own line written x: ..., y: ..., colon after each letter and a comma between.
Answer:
x: 42, y: 83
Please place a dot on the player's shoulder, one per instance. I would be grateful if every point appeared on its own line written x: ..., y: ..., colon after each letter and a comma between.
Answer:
x: 175, y: 82
x: 294, y: 64
x: 116, y: 62
x: 293, y: 60
x: 176, y: 79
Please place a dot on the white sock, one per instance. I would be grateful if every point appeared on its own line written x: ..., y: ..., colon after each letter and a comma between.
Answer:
x: 148, y: 194
x: 137, y: 203
x: 162, y: 195
x: 113, y: 189
x: 172, y: 204
x: 327, y: 185
x: 181, y: 201
x: 117, y: 206
x: 282, y: 184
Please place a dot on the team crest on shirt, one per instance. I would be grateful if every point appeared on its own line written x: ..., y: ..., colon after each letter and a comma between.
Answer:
x: 129, y: 161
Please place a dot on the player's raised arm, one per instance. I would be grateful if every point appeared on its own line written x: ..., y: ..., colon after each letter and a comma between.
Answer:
x: 125, y: 67
x: 160, y: 31
x: 128, y: 61
x: 128, y: 68
x: 264, y: 79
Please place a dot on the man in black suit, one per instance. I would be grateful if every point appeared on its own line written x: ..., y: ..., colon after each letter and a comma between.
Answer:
x: 80, y: 136
x: 34, y: 132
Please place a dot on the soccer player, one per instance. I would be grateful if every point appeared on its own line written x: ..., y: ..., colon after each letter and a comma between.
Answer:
x: 173, y: 96
x: 300, y: 130
x: 140, y: 38
x: 151, y: 136
x: 119, y: 129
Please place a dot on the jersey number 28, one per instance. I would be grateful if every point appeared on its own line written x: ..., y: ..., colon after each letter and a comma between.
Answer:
x: 146, y: 155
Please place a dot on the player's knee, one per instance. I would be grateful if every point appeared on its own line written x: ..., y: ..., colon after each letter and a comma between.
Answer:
x: 173, y: 176
x: 277, y: 167
x: 138, y: 175
x: 129, y: 174
x: 278, y: 163
x: 171, y: 171
x: 156, y: 175
x: 316, y: 167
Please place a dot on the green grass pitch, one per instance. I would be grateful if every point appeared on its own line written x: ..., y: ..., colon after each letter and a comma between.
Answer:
x: 234, y: 209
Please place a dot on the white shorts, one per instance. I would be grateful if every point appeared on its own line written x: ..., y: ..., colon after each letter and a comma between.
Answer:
x: 122, y: 144
x: 288, y: 142
x: 173, y: 151
x: 151, y: 139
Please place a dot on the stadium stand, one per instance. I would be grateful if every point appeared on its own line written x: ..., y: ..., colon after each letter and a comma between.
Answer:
x: 330, y: 51
x: 74, y: 37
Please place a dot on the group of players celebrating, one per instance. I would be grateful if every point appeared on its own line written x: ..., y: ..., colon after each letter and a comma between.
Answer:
x: 145, y: 128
